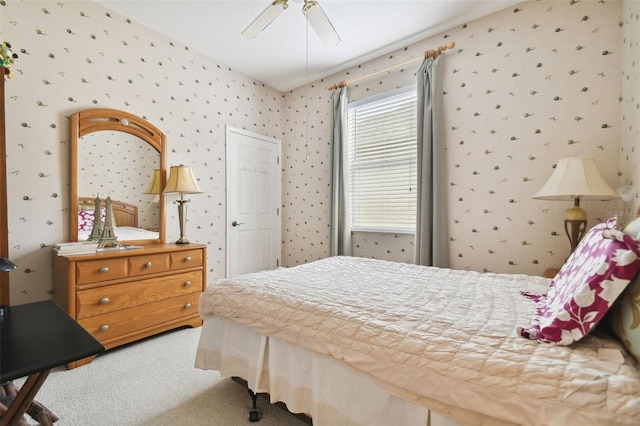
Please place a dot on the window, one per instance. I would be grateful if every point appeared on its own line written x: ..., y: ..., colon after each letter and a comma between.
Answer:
x: 382, y: 162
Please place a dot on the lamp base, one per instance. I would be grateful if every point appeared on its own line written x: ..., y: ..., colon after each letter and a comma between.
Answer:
x: 575, y: 230
x: 575, y: 223
x: 575, y: 213
x: 182, y: 217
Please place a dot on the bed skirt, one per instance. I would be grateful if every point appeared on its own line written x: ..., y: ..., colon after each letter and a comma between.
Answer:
x: 307, y: 382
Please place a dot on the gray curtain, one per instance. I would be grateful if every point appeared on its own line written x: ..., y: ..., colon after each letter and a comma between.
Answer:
x: 431, y: 241
x: 340, y: 224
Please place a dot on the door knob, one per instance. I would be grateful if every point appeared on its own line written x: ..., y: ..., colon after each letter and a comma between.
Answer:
x: 235, y: 223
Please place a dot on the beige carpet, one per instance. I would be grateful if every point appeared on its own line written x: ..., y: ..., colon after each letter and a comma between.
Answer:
x: 152, y: 383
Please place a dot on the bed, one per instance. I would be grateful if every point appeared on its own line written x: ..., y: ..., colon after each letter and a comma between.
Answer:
x: 125, y: 219
x: 362, y: 341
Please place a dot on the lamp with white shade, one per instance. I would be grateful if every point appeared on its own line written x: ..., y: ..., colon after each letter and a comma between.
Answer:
x: 181, y: 181
x: 155, y: 187
x: 576, y: 178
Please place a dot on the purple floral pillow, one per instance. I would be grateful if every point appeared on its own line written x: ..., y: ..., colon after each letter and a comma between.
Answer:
x: 85, y: 219
x: 595, y: 274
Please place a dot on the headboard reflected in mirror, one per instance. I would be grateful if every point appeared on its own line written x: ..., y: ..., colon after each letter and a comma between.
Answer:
x: 114, y: 153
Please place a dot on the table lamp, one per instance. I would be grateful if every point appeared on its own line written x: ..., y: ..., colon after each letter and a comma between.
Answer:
x: 156, y: 183
x: 181, y: 181
x: 576, y: 178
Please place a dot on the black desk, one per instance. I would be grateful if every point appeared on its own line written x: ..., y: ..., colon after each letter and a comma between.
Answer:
x: 34, y: 338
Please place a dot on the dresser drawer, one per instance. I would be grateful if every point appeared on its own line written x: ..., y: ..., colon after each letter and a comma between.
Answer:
x: 92, y: 271
x: 150, y: 264
x: 118, y: 323
x: 186, y: 259
x: 101, y: 300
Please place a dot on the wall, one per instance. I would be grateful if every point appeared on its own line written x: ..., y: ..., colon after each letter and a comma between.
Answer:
x: 510, y: 119
x: 630, y: 96
x: 76, y: 55
x: 523, y: 88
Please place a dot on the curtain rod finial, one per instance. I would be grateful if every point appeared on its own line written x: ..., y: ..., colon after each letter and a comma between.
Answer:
x: 339, y: 85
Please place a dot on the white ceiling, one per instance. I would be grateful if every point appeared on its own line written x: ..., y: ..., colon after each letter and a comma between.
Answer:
x: 278, y: 56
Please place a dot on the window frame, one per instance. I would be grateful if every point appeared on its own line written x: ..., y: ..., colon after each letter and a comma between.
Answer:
x: 359, y: 103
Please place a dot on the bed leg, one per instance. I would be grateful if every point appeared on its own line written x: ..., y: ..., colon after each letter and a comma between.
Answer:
x: 254, y: 412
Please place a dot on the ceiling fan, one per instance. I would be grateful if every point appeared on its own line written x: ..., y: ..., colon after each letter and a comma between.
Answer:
x: 311, y: 9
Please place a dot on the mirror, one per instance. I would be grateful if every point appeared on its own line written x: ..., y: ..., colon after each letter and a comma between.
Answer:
x: 114, y: 153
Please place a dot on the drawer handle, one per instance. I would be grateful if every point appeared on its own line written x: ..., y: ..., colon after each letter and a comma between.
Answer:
x: 187, y: 305
x: 147, y: 265
x: 187, y: 259
x: 104, y: 300
x: 104, y: 327
x: 187, y: 283
x: 103, y: 270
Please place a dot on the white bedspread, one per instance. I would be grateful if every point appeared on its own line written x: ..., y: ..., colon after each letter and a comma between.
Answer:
x: 125, y: 233
x: 443, y: 338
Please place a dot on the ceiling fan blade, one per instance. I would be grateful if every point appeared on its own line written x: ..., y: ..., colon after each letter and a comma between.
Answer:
x: 320, y: 23
x: 265, y: 18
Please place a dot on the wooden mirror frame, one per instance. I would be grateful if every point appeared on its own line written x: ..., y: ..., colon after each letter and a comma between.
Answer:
x: 95, y: 120
x: 5, y: 291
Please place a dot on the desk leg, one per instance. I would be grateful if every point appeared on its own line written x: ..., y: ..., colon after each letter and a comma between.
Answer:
x: 25, y: 396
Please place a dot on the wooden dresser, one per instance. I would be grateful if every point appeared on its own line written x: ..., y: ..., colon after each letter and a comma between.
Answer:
x: 126, y: 295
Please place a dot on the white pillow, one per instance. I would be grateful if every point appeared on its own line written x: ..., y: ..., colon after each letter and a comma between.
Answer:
x: 624, y: 317
x: 633, y: 229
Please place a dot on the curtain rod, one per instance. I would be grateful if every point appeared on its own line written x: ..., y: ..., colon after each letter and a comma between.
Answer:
x: 427, y: 54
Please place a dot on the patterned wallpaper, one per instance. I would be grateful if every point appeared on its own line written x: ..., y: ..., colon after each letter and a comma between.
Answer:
x: 630, y: 95
x: 76, y: 55
x: 523, y: 88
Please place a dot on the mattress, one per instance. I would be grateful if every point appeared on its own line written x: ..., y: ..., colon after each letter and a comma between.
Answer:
x: 440, y: 338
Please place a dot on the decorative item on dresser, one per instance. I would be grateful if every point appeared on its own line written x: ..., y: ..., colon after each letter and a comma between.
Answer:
x: 108, y: 240
x: 181, y: 181
x: 124, y: 215
x: 96, y: 228
x: 123, y: 296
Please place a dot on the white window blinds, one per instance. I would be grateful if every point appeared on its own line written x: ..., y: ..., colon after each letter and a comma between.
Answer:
x: 382, y: 163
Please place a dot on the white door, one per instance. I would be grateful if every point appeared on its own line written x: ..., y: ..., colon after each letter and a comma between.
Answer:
x: 254, y: 189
